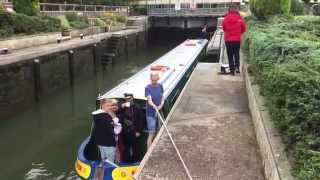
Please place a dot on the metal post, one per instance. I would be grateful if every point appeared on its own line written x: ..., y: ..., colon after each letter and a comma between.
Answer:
x: 71, y: 67
x: 94, y: 51
x: 37, y: 80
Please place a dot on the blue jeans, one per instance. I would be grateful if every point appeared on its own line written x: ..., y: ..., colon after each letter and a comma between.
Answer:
x: 107, y: 152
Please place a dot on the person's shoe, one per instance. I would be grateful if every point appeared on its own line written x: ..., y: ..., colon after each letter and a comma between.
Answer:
x: 237, y: 71
x: 232, y: 73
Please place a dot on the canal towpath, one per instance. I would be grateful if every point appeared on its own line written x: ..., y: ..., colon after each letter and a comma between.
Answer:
x: 211, y: 126
x: 24, y: 54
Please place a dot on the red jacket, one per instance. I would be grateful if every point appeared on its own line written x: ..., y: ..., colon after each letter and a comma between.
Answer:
x: 233, y: 26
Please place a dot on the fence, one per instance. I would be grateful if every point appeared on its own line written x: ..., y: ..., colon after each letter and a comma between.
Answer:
x: 187, y: 12
x: 52, y: 9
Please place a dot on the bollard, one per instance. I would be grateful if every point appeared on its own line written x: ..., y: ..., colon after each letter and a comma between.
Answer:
x: 126, y: 45
x: 71, y: 66
x: 94, y: 51
x: 37, y: 81
x: 137, y: 40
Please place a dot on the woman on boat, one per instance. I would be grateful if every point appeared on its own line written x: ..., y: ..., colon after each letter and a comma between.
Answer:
x: 155, y: 101
x: 131, y: 120
x: 106, y: 128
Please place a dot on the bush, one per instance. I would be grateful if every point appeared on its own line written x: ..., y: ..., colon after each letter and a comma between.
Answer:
x: 262, y: 9
x: 22, y: 24
x: 71, y: 16
x: 283, y: 54
x: 28, y: 7
x: 2, y: 7
x: 140, y: 10
x: 296, y: 7
x: 76, y: 21
x: 79, y: 24
x: 121, y: 19
x: 99, y: 22
x: 64, y: 23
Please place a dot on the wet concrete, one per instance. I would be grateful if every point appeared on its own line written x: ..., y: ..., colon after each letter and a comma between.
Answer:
x: 212, y: 128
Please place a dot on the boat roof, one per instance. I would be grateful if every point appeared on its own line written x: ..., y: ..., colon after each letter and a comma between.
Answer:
x: 171, y: 67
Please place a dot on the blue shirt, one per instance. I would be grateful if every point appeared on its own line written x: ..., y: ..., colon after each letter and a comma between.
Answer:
x: 156, y: 93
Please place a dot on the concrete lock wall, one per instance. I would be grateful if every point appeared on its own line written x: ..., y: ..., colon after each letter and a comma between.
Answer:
x: 27, y: 81
x: 47, y: 38
x: 272, y: 150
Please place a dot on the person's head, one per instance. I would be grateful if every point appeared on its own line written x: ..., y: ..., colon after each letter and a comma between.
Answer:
x: 154, y: 77
x: 233, y: 7
x: 128, y: 97
x: 109, y: 105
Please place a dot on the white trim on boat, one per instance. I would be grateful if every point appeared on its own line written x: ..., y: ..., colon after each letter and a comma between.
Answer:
x: 178, y: 61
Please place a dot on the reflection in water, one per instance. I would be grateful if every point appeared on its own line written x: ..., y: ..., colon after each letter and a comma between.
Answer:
x: 41, y: 142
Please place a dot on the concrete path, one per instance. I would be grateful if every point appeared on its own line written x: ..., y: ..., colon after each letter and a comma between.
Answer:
x: 34, y: 52
x: 213, y: 130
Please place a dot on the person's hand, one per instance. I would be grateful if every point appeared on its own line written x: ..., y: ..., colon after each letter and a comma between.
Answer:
x: 159, y: 108
x: 137, y: 134
x: 115, y: 120
x: 155, y: 107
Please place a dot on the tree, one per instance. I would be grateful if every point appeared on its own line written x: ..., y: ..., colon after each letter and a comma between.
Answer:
x: 28, y: 7
x: 264, y: 8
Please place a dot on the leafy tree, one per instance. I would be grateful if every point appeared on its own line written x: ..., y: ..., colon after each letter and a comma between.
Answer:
x: 28, y: 7
x: 264, y: 8
x: 285, y: 6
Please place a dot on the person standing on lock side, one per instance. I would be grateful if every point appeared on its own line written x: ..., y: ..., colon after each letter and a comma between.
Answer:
x: 233, y: 26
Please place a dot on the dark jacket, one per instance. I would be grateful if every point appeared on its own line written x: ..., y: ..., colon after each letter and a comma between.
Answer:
x: 233, y: 26
x: 131, y: 119
x: 103, y: 130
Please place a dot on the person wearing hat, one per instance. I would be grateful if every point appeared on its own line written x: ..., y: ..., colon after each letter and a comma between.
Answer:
x: 233, y: 27
x: 131, y: 120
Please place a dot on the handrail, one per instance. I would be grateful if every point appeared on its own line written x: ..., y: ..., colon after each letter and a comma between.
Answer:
x: 44, y: 7
x: 186, y: 11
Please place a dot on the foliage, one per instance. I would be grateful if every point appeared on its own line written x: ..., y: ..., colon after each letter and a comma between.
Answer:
x: 262, y: 9
x: 21, y: 24
x: 140, y: 10
x: 76, y: 21
x: 285, y: 6
x: 2, y: 7
x: 28, y: 7
x: 64, y: 23
x: 99, y: 22
x: 112, y: 18
x: 284, y: 58
x: 296, y: 7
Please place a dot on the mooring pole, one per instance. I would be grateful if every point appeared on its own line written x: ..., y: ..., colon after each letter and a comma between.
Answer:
x: 37, y: 81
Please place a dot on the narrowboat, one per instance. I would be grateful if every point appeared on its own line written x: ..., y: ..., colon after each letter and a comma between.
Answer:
x: 175, y: 68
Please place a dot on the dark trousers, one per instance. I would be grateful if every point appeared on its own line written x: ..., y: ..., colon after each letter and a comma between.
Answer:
x: 233, y: 49
x: 131, y: 149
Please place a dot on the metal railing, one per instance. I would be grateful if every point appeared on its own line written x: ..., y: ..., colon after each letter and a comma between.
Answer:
x: 187, y: 12
x: 53, y: 9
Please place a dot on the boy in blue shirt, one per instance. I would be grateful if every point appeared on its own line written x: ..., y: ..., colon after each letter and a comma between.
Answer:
x: 155, y: 100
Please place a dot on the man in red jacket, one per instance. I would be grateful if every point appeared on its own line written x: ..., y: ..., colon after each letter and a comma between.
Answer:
x: 233, y: 26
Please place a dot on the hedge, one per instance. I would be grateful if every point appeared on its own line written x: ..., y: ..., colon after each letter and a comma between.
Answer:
x: 21, y: 24
x: 284, y: 57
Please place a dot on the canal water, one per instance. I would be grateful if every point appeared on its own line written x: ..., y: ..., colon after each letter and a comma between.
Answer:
x: 41, y: 141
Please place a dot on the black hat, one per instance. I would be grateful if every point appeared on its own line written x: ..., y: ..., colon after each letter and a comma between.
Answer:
x: 128, y: 95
